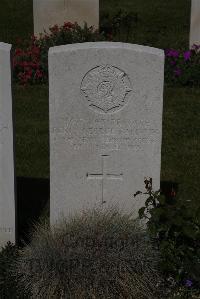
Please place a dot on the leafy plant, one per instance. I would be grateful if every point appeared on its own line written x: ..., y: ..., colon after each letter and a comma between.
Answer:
x: 183, y: 67
x: 30, y: 60
x: 175, y: 226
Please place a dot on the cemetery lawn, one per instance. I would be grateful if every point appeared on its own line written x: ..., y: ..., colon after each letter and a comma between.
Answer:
x: 181, y: 141
x: 16, y: 20
x: 32, y: 138
x: 161, y: 24
x: 180, y: 147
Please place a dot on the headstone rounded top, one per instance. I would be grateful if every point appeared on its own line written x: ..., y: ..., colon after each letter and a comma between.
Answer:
x: 4, y: 46
x: 106, y: 45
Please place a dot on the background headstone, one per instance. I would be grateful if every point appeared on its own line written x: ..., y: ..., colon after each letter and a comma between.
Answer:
x: 195, y: 23
x: 105, y: 125
x: 7, y: 198
x: 51, y: 12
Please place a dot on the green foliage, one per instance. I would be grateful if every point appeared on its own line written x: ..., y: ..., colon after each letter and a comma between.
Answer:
x: 69, y: 33
x: 95, y: 254
x: 119, y: 26
x: 175, y: 225
x: 8, y: 287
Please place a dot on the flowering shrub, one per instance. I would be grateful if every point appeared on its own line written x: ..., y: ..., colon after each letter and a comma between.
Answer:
x: 30, y: 61
x: 27, y: 67
x: 175, y: 227
x: 183, y: 67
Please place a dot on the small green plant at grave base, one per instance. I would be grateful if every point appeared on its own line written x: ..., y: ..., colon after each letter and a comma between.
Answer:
x: 8, y: 286
x: 95, y: 254
x: 175, y: 226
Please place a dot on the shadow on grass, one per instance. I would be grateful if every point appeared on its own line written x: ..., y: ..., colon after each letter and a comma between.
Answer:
x: 33, y: 201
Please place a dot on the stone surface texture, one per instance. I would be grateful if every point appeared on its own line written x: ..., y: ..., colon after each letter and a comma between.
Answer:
x: 7, y: 198
x: 195, y: 23
x: 47, y: 13
x: 105, y: 125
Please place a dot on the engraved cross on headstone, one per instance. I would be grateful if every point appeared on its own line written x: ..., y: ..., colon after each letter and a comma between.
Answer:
x: 103, y: 176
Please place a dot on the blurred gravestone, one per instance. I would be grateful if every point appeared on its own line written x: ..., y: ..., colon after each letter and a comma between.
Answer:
x: 105, y: 125
x: 7, y: 201
x: 195, y: 23
x: 48, y: 13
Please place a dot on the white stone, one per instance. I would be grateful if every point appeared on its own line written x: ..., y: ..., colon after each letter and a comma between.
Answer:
x: 195, y: 23
x: 105, y: 125
x: 7, y: 198
x: 48, y: 13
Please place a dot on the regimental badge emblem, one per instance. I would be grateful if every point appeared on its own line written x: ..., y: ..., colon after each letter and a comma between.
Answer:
x: 106, y: 89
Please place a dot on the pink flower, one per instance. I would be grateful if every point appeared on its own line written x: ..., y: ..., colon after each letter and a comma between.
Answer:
x: 172, y: 62
x: 68, y: 25
x: 172, y: 53
x: 196, y: 47
x: 173, y: 193
x: 35, y: 50
x: 177, y: 72
x: 19, y: 52
x: 38, y: 74
x: 187, y: 55
x: 54, y: 29
x: 33, y: 38
x: 188, y: 283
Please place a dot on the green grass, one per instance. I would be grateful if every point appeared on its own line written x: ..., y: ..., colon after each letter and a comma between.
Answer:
x: 161, y: 24
x: 31, y: 125
x: 181, y: 140
x: 16, y: 20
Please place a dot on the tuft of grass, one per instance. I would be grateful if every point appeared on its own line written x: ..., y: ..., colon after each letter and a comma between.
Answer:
x: 8, y: 286
x: 95, y: 254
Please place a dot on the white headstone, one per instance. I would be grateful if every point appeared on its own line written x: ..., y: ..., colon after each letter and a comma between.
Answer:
x: 7, y: 201
x: 48, y: 13
x: 105, y: 125
x: 195, y: 23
